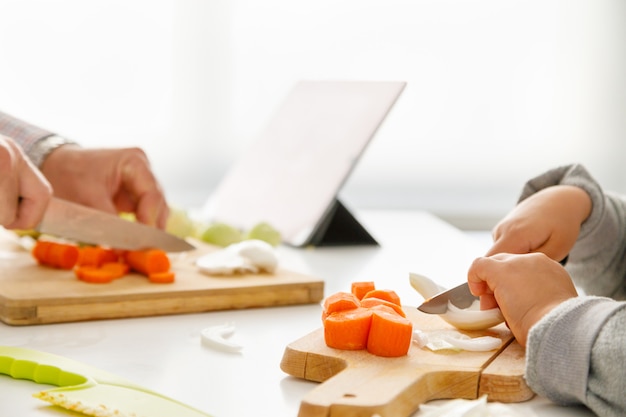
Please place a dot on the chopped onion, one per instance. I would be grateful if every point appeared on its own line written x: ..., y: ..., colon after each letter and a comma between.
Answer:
x: 257, y: 252
x: 246, y: 256
x: 474, y: 344
x: 471, y: 318
x: 218, y: 337
x: 454, y: 340
x: 223, y: 262
x: 424, y: 285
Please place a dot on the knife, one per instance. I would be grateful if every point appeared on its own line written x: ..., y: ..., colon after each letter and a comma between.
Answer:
x: 87, y: 225
x: 87, y: 389
x: 459, y: 296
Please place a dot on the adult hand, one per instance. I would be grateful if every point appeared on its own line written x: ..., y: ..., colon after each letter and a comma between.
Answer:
x: 111, y: 180
x: 24, y: 192
x: 525, y: 287
x: 548, y: 221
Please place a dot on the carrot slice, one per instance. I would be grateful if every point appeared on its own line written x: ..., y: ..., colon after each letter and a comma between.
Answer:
x: 166, y: 277
x: 117, y: 269
x: 40, y: 251
x: 55, y: 254
x: 360, y: 288
x: 96, y: 256
x: 373, y: 302
x: 94, y: 274
x: 339, y: 301
x: 348, y: 329
x: 389, y: 295
x: 389, y: 335
x: 148, y: 261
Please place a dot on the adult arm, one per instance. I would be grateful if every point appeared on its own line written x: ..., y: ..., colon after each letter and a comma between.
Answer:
x: 112, y: 180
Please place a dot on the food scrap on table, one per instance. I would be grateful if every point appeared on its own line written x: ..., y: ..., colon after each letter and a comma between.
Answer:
x: 219, y: 337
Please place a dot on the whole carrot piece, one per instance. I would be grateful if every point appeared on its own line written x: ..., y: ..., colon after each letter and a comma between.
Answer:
x: 149, y: 261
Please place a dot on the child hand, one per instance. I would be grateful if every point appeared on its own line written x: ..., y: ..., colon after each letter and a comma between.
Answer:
x: 525, y: 287
x: 548, y: 221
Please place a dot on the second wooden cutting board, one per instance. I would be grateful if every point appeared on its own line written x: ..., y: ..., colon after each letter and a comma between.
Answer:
x: 359, y: 384
x: 33, y: 294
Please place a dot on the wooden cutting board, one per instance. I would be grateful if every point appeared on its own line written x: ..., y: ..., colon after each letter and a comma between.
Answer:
x: 32, y: 294
x: 357, y: 383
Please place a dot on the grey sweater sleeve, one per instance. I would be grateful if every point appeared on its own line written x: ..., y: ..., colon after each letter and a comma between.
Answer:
x: 575, y: 353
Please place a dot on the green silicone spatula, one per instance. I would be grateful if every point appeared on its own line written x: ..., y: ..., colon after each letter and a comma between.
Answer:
x: 86, y: 389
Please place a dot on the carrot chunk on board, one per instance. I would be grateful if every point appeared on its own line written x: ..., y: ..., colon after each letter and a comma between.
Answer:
x: 96, y: 256
x: 94, y: 274
x: 165, y: 277
x: 348, y: 329
x: 373, y: 302
x: 360, y: 288
x: 389, y: 295
x: 148, y: 261
x: 390, y: 334
x: 55, y: 254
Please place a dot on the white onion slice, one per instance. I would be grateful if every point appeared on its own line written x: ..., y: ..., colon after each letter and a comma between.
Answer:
x: 425, y: 286
x: 453, y: 340
x: 257, y: 252
x: 471, y: 318
x: 224, y: 262
x: 474, y: 344
x: 218, y: 337
x: 247, y: 256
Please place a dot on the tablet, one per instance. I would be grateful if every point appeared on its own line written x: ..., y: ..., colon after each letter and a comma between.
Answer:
x: 291, y: 174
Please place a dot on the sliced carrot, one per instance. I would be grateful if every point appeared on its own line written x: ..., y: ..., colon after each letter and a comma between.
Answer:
x: 40, y: 251
x: 96, y: 256
x: 56, y: 254
x: 148, y: 261
x: 348, y: 329
x: 389, y: 295
x: 95, y: 275
x: 360, y: 288
x: 373, y: 302
x: 339, y: 301
x: 166, y: 277
x: 390, y: 334
x: 117, y: 269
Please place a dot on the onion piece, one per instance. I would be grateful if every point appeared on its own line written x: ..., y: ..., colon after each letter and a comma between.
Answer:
x: 472, y: 318
x: 247, y: 256
x: 258, y: 253
x: 454, y: 340
x: 425, y: 286
x: 223, y: 262
x: 217, y: 337
x: 474, y: 344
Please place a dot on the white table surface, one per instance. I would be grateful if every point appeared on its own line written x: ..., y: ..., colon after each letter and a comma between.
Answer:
x: 165, y: 354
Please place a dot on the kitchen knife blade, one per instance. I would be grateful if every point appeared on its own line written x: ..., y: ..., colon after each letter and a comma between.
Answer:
x: 459, y: 296
x: 86, y: 389
x: 87, y: 225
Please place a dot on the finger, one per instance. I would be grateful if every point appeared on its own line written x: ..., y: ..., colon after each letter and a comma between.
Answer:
x: 478, y: 282
x: 34, y: 195
x: 488, y: 301
x: 503, y: 244
x: 142, y: 188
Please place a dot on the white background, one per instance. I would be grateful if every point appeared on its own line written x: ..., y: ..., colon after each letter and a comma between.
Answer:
x: 498, y: 90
